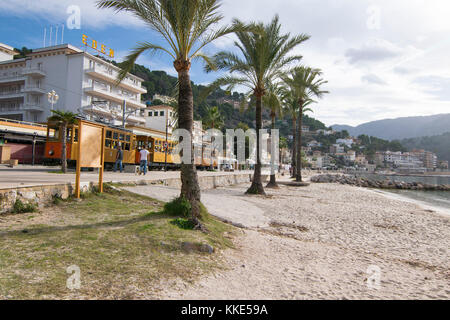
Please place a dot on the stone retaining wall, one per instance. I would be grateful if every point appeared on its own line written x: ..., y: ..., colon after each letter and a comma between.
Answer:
x: 382, y: 184
x: 43, y: 195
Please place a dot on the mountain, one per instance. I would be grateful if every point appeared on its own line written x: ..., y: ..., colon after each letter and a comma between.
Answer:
x: 401, y: 128
x: 438, y: 144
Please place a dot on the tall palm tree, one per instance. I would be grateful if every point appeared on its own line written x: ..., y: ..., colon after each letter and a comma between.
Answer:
x: 272, y: 101
x: 63, y: 120
x: 304, y: 83
x: 186, y: 26
x: 291, y: 107
x: 265, y: 54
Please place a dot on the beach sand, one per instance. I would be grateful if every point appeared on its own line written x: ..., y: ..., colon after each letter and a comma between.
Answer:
x: 321, y: 243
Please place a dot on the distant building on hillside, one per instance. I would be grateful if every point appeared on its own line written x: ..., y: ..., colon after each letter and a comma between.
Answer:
x: 164, y: 99
x: 347, y: 142
x: 336, y: 149
x: 160, y: 117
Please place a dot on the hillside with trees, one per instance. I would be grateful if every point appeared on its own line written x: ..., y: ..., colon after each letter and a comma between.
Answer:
x: 438, y: 144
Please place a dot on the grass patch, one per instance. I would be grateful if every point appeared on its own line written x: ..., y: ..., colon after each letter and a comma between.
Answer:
x: 178, y: 207
x: 20, y: 207
x: 183, y: 224
x: 124, y: 245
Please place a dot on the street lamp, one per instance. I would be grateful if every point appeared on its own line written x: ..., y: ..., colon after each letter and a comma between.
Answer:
x: 52, y: 98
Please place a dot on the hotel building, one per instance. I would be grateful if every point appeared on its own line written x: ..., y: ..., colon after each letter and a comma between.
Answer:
x: 84, y: 83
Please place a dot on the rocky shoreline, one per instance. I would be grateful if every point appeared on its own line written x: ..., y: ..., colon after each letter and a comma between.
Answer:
x: 384, y: 184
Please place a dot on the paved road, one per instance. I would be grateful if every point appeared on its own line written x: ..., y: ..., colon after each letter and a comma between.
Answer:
x: 26, y: 176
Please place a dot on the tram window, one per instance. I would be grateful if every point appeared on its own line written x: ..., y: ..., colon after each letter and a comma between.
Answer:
x: 122, y: 137
x: 128, y: 138
x: 55, y: 135
x: 108, y: 143
x: 75, y: 138
x: 108, y: 134
x: 127, y: 147
x: 116, y: 135
x: 69, y: 135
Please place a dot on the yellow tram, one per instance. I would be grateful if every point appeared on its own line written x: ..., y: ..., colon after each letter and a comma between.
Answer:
x: 132, y: 139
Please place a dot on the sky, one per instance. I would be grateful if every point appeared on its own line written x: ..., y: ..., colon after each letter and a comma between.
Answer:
x: 382, y: 59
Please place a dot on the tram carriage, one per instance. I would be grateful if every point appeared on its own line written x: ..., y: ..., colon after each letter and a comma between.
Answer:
x: 132, y: 139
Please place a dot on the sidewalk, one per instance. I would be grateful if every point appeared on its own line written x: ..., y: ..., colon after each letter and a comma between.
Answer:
x: 28, y: 176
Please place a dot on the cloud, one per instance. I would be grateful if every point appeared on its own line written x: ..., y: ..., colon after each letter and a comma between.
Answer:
x: 55, y: 11
x: 436, y: 86
x: 373, y: 51
x: 373, y: 79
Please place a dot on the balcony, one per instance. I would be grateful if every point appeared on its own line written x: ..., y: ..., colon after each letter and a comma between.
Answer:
x: 111, y: 76
x: 12, y: 94
x: 34, y: 72
x: 34, y: 90
x: 33, y: 107
x: 15, y: 76
x: 102, y: 92
x: 111, y: 114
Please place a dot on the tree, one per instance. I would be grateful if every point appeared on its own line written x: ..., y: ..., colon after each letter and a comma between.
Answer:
x: 213, y: 118
x: 272, y: 101
x: 264, y: 54
x: 304, y: 83
x: 186, y: 26
x: 291, y: 107
x: 63, y: 120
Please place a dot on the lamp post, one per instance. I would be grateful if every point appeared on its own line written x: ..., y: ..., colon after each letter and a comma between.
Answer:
x: 52, y: 98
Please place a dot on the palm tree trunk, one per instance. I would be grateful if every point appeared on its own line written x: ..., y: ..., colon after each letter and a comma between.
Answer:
x: 273, y: 181
x: 294, y: 147
x: 257, y: 187
x: 64, y: 149
x: 190, y: 188
x: 298, y: 175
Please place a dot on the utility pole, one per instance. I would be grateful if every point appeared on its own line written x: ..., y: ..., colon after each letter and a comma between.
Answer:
x: 124, y: 112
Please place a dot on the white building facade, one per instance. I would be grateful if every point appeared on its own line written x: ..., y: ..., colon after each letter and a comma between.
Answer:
x: 85, y: 84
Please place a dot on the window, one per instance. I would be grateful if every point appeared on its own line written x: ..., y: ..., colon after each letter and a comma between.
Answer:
x: 161, y: 113
x: 150, y: 114
x: 116, y: 135
x: 75, y: 138
x: 128, y: 138
x: 122, y: 137
x: 108, y: 143
x: 156, y: 113
x: 109, y: 134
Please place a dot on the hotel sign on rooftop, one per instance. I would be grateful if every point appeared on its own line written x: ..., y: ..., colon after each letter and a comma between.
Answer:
x: 101, y: 48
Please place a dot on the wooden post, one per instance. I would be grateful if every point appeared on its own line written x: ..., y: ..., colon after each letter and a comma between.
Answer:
x: 78, y: 175
x: 102, y: 161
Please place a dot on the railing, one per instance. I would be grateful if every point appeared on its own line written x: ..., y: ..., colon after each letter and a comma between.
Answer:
x: 24, y: 123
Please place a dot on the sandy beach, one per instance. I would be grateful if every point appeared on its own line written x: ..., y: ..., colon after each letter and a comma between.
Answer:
x: 320, y: 243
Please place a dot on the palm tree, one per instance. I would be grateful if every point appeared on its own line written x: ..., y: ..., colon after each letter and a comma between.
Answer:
x: 291, y: 108
x: 272, y: 101
x: 304, y: 83
x: 265, y: 54
x: 213, y: 118
x: 63, y: 120
x: 186, y: 26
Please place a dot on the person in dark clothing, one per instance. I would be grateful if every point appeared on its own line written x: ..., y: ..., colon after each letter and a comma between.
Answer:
x: 119, y: 160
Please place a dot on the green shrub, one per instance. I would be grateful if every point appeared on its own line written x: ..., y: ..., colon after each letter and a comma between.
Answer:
x: 20, y: 207
x: 178, y: 207
x: 183, y: 224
